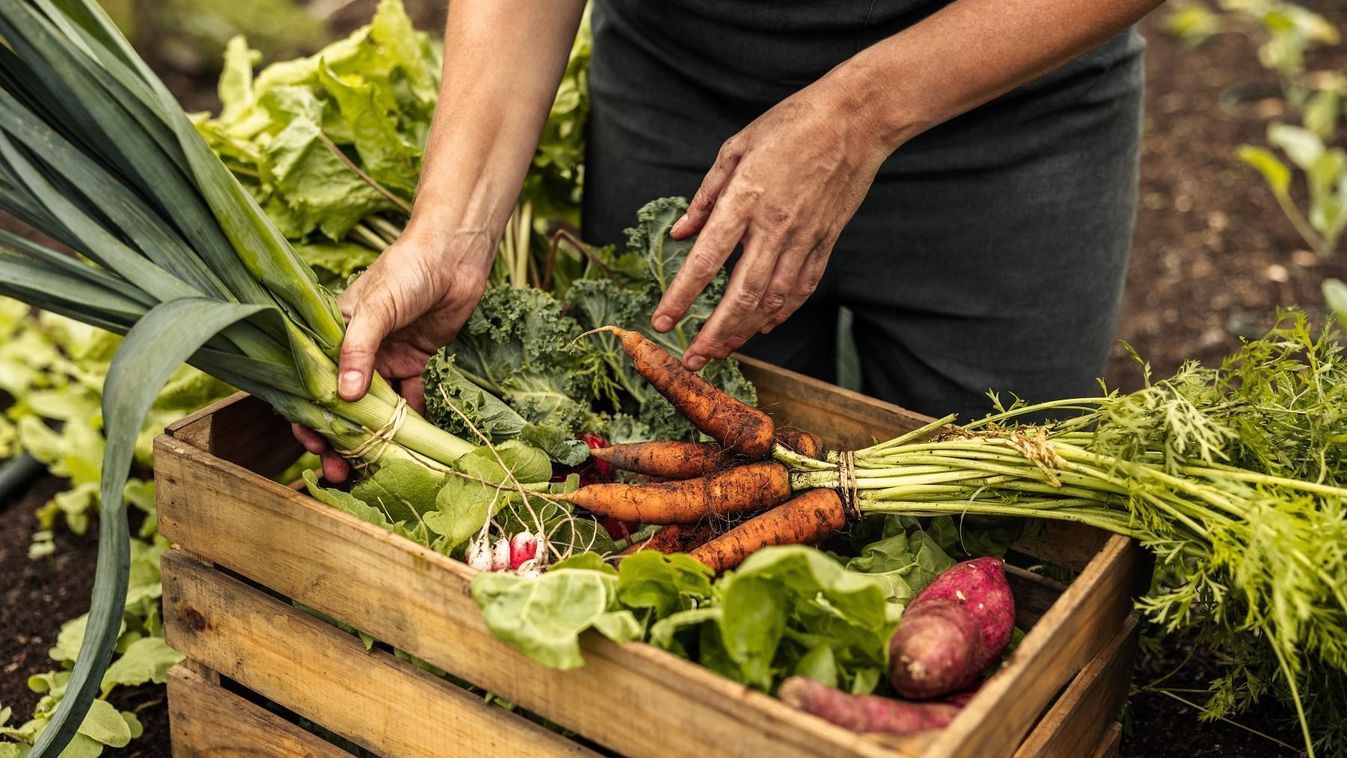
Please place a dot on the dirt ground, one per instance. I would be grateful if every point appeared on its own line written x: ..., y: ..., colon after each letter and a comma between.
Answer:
x: 1212, y: 260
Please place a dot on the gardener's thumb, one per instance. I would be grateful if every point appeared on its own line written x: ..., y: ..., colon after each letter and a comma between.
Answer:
x: 364, y: 334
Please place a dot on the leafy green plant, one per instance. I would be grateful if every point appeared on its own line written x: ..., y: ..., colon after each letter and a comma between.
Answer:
x: 1283, y: 31
x: 520, y: 346
x: 331, y: 145
x: 785, y: 611
x: 1313, y: 149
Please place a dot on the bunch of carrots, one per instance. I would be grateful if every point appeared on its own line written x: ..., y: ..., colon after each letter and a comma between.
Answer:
x: 698, y: 488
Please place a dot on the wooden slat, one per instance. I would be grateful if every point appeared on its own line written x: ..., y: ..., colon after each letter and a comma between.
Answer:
x: 1080, y: 719
x: 371, y: 698
x: 1111, y: 745
x: 841, y: 418
x: 206, y: 719
x: 1087, y: 615
x: 417, y: 600
x: 1034, y: 595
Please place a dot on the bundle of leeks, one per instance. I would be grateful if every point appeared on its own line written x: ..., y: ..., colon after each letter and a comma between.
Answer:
x: 174, y: 253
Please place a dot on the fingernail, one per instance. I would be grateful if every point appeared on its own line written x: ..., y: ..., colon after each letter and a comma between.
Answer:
x: 662, y: 323
x: 683, y: 219
x: 350, y: 384
x: 696, y: 362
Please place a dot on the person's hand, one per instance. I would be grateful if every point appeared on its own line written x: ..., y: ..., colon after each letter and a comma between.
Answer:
x: 411, y: 302
x: 784, y: 187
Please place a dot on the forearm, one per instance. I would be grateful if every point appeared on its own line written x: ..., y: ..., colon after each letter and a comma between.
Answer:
x: 503, y: 60
x: 969, y: 53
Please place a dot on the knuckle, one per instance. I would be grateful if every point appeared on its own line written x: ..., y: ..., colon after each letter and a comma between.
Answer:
x: 730, y: 149
x: 776, y: 218
x: 702, y: 203
x: 774, y: 299
x: 808, y: 286
x: 745, y: 299
x: 702, y: 265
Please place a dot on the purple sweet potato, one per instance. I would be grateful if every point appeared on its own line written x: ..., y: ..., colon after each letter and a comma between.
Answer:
x: 979, y: 586
x: 936, y: 650
x: 865, y: 713
x: 953, y: 630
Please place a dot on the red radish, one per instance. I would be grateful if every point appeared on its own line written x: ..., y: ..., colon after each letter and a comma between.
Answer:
x: 500, y: 555
x: 603, y: 471
x: 523, y: 547
x: 617, y: 529
x: 953, y: 630
x: 865, y: 713
x: 478, y: 554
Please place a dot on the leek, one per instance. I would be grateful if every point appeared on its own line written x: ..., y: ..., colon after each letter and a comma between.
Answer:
x: 175, y: 254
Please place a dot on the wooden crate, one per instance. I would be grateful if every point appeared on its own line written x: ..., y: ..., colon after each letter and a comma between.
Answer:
x: 247, y: 550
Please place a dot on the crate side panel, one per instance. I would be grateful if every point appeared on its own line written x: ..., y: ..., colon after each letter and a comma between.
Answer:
x: 293, y: 659
x: 206, y: 719
x: 1083, y: 620
x: 1081, y: 717
x: 840, y: 417
x: 418, y: 601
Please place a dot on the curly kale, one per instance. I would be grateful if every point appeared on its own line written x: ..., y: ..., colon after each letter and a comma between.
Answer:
x: 518, y: 371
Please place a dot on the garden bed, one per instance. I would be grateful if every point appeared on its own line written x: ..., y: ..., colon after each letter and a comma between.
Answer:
x: 247, y: 550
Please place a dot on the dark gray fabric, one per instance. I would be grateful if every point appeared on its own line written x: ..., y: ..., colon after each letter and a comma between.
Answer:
x: 990, y: 251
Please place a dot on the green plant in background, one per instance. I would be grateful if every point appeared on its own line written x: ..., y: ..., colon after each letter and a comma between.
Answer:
x: 1308, y: 154
x: 331, y: 145
x: 1283, y: 31
x: 190, y: 35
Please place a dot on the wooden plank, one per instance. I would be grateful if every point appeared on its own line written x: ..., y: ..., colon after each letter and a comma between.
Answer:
x: 841, y: 418
x: 323, y: 674
x: 1111, y: 745
x: 206, y: 719
x: 1087, y: 616
x: 416, y: 600
x: 1034, y: 595
x: 1081, y: 717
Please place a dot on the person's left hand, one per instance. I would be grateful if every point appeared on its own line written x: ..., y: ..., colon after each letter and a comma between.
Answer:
x: 784, y: 187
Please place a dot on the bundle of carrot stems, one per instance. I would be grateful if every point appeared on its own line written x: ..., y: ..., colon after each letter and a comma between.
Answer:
x: 1244, y: 553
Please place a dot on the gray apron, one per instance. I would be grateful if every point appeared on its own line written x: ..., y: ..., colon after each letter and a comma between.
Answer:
x: 990, y: 252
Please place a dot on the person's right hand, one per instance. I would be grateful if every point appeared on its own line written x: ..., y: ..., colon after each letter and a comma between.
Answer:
x: 411, y: 302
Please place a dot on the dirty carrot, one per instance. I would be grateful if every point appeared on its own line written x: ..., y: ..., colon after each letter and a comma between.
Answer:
x: 802, y: 442
x: 805, y: 519
x: 678, y: 538
x: 666, y: 459
x: 734, y: 424
x: 750, y: 487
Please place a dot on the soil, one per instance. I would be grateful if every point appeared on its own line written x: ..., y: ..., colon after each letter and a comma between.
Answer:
x: 1213, y: 259
x: 1213, y: 255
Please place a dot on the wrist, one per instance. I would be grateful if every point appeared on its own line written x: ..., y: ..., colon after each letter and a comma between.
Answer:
x: 884, y: 106
x: 452, y: 241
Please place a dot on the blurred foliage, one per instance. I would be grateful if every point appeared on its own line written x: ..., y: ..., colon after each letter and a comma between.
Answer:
x: 190, y: 35
x: 1304, y: 162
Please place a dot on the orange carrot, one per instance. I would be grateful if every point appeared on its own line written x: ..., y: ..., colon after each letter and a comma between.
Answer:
x: 750, y: 487
x: 735, y: 425
x: 677, y: 538
x: 802, y: 442
x: 803, y: 520
x: 665, y: 459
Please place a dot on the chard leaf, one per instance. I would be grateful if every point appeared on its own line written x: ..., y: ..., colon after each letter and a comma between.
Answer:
x: 662, y: 584
x: 544, y: 616
x: 462, y: 507
x: 403, y: 490
x: 345, y: 501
